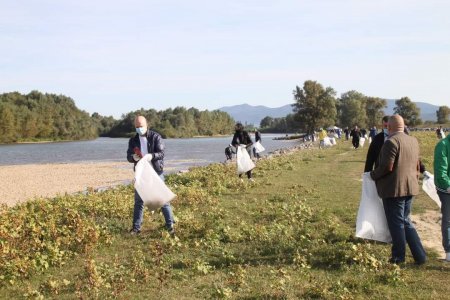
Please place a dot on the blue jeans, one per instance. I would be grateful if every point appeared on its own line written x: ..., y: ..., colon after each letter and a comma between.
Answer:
x: 402, y: 230
x: 138, y: 212
x: 445, y: 210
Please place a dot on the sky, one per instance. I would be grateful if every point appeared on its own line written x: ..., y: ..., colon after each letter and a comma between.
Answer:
x: 113, y: 57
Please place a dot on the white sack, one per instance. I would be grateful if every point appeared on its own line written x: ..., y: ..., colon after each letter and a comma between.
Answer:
x: 333, y: 141
x: 430, y: 189
x: 150, y: 187
x: 258, y: 147
x: 243, y: 160
x: 361, y: 142
x: 371, y: 221
x: 327, y: 142
x: 370, y: 139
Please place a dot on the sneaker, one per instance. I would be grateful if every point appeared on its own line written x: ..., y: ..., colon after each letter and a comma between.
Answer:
x: 447, y: 256
x: 134, y: 231
x: 251, y: 180
x: 171, y: 232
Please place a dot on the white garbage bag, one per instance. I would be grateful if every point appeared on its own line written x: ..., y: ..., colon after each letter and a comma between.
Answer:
x: 333, y: 141
x: 327, y: 142
x: 371, y: 221
x: 361, y: 142
x: 258, y: 147
x: 430, y: 189
x: 150, y: 187
x: 243, y: 160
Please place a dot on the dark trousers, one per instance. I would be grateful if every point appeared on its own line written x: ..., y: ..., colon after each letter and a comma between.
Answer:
x: 355, y: 143
x: 402, y: 230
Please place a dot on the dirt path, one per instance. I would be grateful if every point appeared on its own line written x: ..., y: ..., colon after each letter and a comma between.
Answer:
x: 23, y: 182
x: 428, y: 225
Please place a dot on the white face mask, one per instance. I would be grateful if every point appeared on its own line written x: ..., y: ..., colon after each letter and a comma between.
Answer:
x: 141, y: 130
x: 386, y: 131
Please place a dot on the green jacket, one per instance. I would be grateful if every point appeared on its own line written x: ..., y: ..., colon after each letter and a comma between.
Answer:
x: 441, y: 167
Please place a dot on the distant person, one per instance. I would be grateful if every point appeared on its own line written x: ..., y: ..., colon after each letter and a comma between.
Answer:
x: 442, y: 182
x: 356, y: 136
x: 322, y: 136
x: 396, y: 178
x: 363, y: 133
x: 347, y: 133
x: 440, y: 133
x: 241, y: 137
x: 257, y: 139
x: 148, y: 142
x: 229, y: 151
x: 372, y: 133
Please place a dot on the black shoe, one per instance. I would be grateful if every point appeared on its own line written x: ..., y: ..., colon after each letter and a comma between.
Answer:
x: 134, y: 231
x: 396, y: 261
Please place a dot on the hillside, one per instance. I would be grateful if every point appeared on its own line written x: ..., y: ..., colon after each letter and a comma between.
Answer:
x: 254, y: 114
x: 250, y: 114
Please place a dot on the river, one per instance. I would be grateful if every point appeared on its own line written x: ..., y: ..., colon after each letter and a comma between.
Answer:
x: 180, y: 153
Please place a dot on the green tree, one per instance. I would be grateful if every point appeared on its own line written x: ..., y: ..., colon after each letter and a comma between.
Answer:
x: 442, y: 114
x: 266, y: 122
x: 7, y: 124
x: 408, y: 110
x: 353, y: 109
x: 374, y: 110
x: 315, y: 106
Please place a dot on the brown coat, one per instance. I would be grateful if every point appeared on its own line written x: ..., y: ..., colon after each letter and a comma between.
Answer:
x: 397, y: 174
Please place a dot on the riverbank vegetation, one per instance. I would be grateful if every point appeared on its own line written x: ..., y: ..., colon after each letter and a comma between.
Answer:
x: 36, y: 117
x: 289, y: 235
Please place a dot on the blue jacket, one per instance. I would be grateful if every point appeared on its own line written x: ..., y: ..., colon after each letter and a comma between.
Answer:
x: 154, y: 146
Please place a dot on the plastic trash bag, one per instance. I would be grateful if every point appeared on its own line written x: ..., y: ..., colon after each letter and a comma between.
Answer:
x: 150, y: 187
x: 430, y: 189
x: 371, y: 221
x: 243, y: 160
x: 258, y: 147
x: 327, y: 142
x: 361, y: 142
x: 333, y: 141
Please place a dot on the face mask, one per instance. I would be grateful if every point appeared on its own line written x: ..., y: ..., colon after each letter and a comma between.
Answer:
x: 386, y: 132
x: 141, y: 130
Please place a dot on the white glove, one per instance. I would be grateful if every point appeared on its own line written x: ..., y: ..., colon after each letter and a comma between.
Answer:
x: 136, y: 157
x: 427, y: 174
x: 148, y: 157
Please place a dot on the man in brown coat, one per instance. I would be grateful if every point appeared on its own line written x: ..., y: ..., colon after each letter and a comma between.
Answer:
x: 397, y: 183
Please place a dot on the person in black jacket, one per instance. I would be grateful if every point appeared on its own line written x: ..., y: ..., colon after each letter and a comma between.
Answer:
x: 375, y: 147
x: 147, y: 144
x: 241, y: 137
x: 257, y: 139
x: 356, y: 135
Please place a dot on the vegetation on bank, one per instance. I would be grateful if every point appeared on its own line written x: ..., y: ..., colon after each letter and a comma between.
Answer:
x: 48, y: 117
x: 289, y: 235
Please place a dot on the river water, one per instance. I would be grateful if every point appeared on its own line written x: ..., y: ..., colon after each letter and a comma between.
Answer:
x: 180, y: 153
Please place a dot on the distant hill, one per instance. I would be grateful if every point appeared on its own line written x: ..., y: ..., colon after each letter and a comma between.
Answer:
x: 427, y: 111
x: 254, y: 114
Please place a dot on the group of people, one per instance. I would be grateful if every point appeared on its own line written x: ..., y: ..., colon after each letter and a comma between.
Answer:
x: 394, y: 164
x: 392, y: 160
x: 241, y: 134
x: 147, y: 144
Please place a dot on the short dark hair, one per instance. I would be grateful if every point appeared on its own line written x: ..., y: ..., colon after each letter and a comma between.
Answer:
x: 386, y: 119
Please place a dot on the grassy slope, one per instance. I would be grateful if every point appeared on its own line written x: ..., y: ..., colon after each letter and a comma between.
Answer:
x: 290, y: 235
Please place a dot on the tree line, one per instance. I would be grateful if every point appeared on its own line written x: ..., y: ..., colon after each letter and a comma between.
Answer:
x: 316, y: 106
x: 177, y: 122
x: 39, y: 116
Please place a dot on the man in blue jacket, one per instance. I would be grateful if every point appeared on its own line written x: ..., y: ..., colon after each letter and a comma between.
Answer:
x: 147, y: 144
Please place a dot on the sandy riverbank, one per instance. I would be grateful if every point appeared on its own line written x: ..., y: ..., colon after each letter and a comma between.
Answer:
x: 20, y: 183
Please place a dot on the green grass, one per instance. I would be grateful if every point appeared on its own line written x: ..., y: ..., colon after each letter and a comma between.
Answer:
x: 288, y: 236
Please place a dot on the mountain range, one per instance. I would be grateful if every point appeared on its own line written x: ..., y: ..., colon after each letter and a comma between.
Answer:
x: 250, y: 114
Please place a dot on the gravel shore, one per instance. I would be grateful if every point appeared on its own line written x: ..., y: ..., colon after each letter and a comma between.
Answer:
x: 20, y: 183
